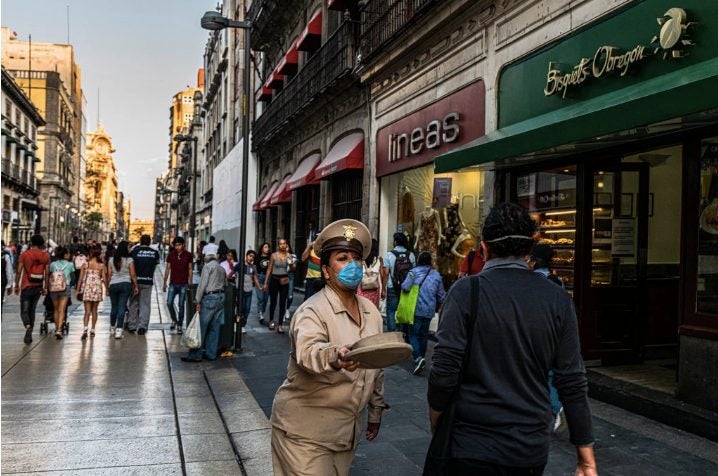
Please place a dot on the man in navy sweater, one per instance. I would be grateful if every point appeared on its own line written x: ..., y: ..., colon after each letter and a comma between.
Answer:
x: 525, y: 325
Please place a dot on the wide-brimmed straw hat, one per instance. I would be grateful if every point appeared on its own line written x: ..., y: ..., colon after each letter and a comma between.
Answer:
x: 380, y: 350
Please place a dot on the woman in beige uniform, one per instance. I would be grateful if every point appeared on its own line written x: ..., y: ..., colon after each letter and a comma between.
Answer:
x: 317, y: 412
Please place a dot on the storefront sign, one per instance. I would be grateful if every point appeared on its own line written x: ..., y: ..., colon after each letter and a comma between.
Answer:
x: 442, y: 192
x: 623, y: 236
x: 416, y: 139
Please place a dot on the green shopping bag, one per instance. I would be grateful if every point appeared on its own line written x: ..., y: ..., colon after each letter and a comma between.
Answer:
x: 407, y: 302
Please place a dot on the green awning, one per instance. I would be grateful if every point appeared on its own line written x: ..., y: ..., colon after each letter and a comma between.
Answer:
x: 687, y: 91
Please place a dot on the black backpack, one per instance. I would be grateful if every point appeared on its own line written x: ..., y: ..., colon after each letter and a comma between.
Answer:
x: 402, y: 266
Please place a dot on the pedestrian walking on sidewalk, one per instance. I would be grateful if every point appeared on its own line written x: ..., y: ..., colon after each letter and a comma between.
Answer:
x: 265, y: 252
x: 31, y: 281
x: 91, y: 287
x: 210, y: 305
x: 277, y: 280
x: 144, y: 262
x: 397, y: 264
x: 120, y: 284
x: 318, y: 411
x: 431, y: 295
x: 500, y: 333
x: 250, y: 282
x: 291, y: 273
x: 63, y: 269
x: 179, y: 271
x: 371, y: 286
x: 8, y: 274
x: 313, y: 278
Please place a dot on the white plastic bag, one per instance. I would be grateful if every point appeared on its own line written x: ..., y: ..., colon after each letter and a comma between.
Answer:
x: 192, y: 337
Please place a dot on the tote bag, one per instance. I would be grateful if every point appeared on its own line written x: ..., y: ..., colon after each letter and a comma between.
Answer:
x: 407, y: 302
x: 192, y: 337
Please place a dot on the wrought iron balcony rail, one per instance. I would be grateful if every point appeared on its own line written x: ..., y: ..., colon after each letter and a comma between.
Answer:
x: 383, y: 20
x: 268, y: 18
x: 19, y: 175
x: 333, y: 61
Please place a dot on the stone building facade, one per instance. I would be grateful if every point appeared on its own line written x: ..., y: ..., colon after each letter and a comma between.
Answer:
x: 20, y: 123
x: 101, y: 185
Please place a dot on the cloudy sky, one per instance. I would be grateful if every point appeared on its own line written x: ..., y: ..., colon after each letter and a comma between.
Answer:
x: 138, y: 54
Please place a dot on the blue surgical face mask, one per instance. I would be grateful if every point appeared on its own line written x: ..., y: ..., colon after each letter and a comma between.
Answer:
x: 351, y: 275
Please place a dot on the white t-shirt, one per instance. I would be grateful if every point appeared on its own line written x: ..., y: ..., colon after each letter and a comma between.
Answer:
x: 210, y: 249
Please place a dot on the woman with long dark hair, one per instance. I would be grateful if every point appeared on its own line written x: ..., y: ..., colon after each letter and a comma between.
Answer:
x: 119, y: 283
x: 265, y: 252
x: 92, y: 281
x: 277, y: 279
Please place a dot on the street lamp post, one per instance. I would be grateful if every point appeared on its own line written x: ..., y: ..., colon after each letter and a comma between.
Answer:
x: 215, y: 21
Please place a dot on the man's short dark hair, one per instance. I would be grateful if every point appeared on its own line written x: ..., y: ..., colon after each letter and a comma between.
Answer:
x: 400, y: 239
x: 211, y: 239
x: 145, y: 240
x: 178, y: 241
x: 424, y: 259
x: 508, y: 219
x: 75, y: 239
x: 250, y: 252
x: 37, y: 240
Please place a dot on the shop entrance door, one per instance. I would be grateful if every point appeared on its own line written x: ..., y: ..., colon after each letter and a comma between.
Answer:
x: 615, y: 298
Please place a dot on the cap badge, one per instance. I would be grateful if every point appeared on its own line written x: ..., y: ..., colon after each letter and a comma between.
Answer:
x: 349, y: 231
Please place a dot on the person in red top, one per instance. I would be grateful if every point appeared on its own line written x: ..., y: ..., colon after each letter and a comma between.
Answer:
x: 179, y: 270
x: 474, y: 261
x: 31, y: 281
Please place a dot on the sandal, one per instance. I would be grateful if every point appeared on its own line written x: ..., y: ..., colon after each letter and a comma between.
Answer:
x: 84, y: 335
x: 280, y: 330
x: 92, y: 332
x: 271, y: 325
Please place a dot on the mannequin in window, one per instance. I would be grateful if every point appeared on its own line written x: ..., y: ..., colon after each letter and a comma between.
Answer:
x: 407, y: 212
x: 429, y: 236
x: 454, y: 224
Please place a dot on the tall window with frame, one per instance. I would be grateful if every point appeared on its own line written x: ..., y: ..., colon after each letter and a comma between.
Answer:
x: 707, y: 273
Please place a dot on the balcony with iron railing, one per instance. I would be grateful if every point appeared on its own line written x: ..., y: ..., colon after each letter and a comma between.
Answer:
x: 326, y: 73
x: 269, y: 18
x: 382, y: 21
x: 19, y: 176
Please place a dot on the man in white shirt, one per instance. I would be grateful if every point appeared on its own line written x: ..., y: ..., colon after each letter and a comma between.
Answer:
x: 210, y: 248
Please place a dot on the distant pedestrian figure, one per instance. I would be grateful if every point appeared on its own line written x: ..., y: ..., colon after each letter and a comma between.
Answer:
x: 250, y: 282
x: 431, y: 295
x: 92, y: 282
x: 262, y: 266
x: 32, y: 271
x: 62, y: 297
x: 372, y: 286
x: 313, y: 278
x: 121, y: 285
x: 277, y: 280
x: 144, y: 261
x: 179, y: 271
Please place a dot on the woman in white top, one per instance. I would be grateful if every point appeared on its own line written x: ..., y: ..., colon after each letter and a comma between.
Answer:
x: 119, y: 282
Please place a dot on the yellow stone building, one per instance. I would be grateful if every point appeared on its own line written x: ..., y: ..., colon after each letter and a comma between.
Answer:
x: 100, y: 187
x: 139, y: 228
x: 181, y: 114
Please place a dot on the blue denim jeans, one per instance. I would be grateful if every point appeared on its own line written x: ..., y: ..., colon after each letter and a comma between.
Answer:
x: 173, y: 291
x: 262, y: 296
x: 419, y: 336
x: 290, y: 292
x: 392, y: 302
x: 246, y: 307
x: 211, y: 318
x: 553, y: 394
x: 119, y: 296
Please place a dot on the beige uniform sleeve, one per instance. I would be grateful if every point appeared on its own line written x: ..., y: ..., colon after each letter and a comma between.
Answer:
x: 313, y: 351
x: 376, y: 400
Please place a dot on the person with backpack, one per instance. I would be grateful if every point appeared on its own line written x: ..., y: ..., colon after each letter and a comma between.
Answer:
x: 61, y: 271
x: 540, y: 262
x: 79, y: 260
x: 371, y: 283
x: 397, y: 264
x: 31, y: 282
x: 431, y: 295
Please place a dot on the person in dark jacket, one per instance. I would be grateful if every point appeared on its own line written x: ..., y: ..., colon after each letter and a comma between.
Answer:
x: 524, y: 326
x: 431, y: 294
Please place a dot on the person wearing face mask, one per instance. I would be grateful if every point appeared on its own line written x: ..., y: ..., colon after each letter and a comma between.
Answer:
x: 317, y: 413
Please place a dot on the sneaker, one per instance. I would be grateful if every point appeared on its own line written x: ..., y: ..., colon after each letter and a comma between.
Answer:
x: 179, y: 330
x: 92, y: 332
x: 84, y: 335
x: 118, y: 334
x: 141, y: 331
x: 244, y: 331
x: 112, y: 329
x: 28, y: 335
x: 420, y: 364
x: 286, y: 315
x: 58, y: 335
x: 173, y: 326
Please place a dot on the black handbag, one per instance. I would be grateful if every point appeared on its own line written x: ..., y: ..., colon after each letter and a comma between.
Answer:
x: 438, y: 458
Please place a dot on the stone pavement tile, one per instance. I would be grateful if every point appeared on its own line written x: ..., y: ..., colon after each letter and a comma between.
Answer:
x: 86, y: 394
x: 200, y: 423
x: 207, y: 447
x: 205, y: 468
x: 89, y: 454
x: 87, y: 429
x: 230, y: 402
x: 195, y: 405
x: 199, y: 389
x: 253, y: 444
x: 20, y: 410
x: 146, y: 470
x: 246, y: 420
x: 638, y: 470
x: 261, y: 466
x: 392, y: 460
x: 392, y: 431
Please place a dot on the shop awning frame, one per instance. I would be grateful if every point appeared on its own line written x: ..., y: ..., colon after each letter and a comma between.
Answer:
x: 281, y: 194
x: 257, y: 205
x: 264, y: 203
x: 305, y: 173
x: 289, y: 63
x: 275, y: 80
x: 264, y: 94
x: 311, y: 37
x: 683, y: 92
x: 346, y: 154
